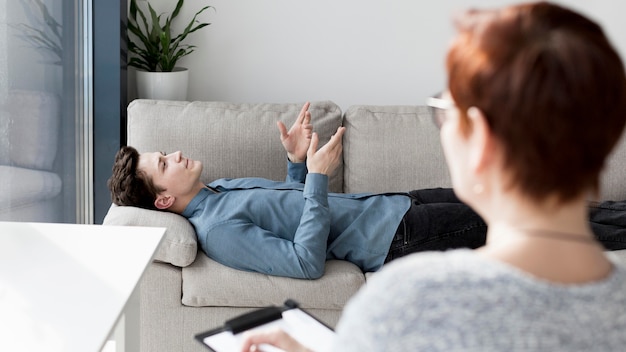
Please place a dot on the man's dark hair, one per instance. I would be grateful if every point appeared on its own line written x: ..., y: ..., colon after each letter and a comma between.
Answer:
x: 128, y: 185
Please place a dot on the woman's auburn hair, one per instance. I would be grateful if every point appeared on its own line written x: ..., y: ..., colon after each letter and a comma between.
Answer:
x: 552, y: 89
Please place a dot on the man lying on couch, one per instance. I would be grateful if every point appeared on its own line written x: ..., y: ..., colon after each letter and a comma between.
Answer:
x: 291, y: 228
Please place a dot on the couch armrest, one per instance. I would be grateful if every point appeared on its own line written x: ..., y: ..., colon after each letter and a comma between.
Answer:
x: 179, y: 246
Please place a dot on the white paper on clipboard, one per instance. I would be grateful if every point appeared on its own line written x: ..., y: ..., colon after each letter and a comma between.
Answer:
x: 296, y: 322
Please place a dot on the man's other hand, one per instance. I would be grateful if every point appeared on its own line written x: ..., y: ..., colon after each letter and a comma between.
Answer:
x: 297, y: 140
x: 327, y: 158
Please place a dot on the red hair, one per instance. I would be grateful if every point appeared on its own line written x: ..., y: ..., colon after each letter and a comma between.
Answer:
x: 552, y: 88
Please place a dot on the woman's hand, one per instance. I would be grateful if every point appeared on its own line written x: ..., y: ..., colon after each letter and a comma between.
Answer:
x: 274, y: 337
x: 296, y: 141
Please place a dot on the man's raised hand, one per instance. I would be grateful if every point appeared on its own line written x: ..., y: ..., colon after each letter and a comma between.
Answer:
x: 327, y: 158
x: 297, y: 140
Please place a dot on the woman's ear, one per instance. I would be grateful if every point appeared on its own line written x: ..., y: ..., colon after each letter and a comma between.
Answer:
x: 481, y: 141
x: 164, y: 201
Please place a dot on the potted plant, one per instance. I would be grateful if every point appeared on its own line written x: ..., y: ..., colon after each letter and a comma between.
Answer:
x: 157, y: 51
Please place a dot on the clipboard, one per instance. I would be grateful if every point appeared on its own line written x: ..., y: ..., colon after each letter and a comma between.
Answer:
x: 301, y: 325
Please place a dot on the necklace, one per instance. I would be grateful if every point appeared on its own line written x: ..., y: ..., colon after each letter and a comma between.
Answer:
x: 557, y: 235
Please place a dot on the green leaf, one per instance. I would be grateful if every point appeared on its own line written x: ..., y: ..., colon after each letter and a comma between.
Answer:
x: 179, y: 5
x: 156, y: 47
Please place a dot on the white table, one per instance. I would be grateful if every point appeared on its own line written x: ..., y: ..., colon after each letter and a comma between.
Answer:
x: 63, y: 287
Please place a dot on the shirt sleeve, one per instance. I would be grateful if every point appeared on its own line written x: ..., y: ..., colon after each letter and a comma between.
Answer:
x: 246, y: 246
x: 296, y: 172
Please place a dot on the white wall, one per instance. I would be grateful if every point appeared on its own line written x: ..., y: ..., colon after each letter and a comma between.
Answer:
x: 347, y: 51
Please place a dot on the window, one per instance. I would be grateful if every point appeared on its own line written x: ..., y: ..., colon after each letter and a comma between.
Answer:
x: 45, y: 100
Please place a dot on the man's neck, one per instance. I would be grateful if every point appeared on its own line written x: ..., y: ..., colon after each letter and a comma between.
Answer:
x: 182, y: 202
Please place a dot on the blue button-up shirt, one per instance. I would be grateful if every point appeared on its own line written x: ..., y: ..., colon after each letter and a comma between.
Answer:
x: 290, y: 228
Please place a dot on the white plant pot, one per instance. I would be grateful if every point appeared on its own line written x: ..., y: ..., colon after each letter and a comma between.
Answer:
x: 163, y: 85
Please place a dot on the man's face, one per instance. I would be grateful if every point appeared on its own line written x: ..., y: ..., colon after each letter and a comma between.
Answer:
x: 173, y: 172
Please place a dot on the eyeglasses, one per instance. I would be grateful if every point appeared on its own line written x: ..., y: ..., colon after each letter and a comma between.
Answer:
x: 437, y: 107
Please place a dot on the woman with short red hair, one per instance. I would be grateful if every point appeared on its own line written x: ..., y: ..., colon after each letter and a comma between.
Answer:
x: 536, y: 101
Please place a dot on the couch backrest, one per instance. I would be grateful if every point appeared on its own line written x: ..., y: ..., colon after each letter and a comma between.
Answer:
x: 392, y: 148
x: 613, y: 182
x: 397, y: 148
x: 386, y: 148
x: 232, y: 140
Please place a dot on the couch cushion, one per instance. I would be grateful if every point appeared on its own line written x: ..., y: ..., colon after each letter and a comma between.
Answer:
x: 619, y: 255
x: 30, y: 127
x: 399, y: 142
x: 19, y: 186
x: 179, y: 245
x: 208, y: 283
x: 232, y: 140
x: 613, y: 180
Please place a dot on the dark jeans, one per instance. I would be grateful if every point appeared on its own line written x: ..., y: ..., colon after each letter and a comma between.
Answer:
x: 438, y: 220
x: 608, y: 222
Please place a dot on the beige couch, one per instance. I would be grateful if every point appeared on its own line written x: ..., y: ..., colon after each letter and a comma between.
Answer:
x: 386, y: 148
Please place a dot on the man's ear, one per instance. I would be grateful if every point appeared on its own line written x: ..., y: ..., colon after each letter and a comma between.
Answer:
x: 481, y: 139
x: 164, y: 201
